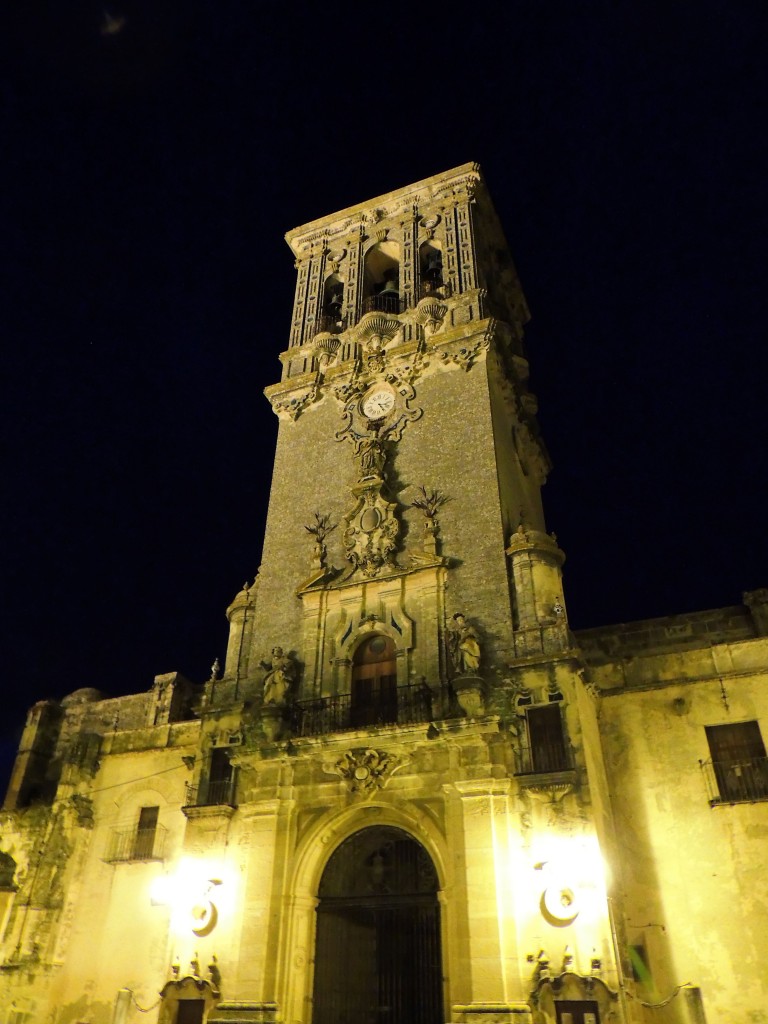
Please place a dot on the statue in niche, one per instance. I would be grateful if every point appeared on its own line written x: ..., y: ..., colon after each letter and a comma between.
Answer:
x: 372, y: 455
x: 464, y: 646
x: 280, y: 675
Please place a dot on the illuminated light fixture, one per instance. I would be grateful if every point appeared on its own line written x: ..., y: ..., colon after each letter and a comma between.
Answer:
x: 559, y: 903
x: 204, y: 914
x: 190, y: 898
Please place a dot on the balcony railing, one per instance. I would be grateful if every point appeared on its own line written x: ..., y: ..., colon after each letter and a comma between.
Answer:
x: 136, y: 844
x: 384, y: 302
x: 544, y: 758
x: 329, y: 323
x: 742, y: 781
x: 404, y: 705
x: 434, y: 286
x: 216, y: 793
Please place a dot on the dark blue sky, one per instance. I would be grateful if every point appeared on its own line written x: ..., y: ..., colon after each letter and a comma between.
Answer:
x: 153, y: 161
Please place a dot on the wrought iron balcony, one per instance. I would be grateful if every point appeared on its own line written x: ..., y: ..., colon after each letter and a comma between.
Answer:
x: 384, y: 302
x: 136, y: 844
x: 743, y: 781
x: 214, y: 793
x: 434, y: 286
x: 332, y: 323
x: 401, y: 706
x: 544, y: 759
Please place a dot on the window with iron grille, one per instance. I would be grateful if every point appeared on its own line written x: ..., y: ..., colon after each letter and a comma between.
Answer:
x: 142, y: 841
x: 547, y: 749
x: 738, y: 769
x: 145, y: 833
x: 221, y: 779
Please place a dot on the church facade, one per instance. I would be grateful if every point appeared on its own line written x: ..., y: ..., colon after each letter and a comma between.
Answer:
x: 411, y: 794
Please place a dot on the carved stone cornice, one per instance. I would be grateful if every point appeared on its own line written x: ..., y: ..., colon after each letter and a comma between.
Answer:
x: 456, y: 184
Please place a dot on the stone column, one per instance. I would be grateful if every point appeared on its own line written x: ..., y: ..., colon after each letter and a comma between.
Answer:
x: 299, y: 303
x: 315, y: 289
x: 466, y: 245
x: 410, y: 262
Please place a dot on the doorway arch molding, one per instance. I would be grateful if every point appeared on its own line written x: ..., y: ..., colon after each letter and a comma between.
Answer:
x: 323, y: 838
x: 313, y: 852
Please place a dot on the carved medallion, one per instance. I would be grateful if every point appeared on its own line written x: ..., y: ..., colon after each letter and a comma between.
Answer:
x: 365, y: 770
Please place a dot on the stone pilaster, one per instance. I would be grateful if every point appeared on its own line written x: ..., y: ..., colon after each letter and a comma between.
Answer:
x: 489, y: 952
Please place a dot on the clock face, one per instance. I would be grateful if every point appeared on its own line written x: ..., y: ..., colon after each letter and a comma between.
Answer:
x: 377, y: 403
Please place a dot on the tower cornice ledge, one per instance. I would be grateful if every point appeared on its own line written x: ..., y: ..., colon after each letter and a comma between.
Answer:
x: 439, y: 186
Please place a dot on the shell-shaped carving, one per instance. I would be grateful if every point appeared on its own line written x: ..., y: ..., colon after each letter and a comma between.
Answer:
x: 430, y: 310
x: 325, y: 346
x: 376, y: 324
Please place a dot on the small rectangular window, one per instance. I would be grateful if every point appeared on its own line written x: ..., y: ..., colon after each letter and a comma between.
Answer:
x: 738, y: 762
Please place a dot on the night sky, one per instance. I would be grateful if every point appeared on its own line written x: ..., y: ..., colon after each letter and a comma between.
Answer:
x: 154, y: 154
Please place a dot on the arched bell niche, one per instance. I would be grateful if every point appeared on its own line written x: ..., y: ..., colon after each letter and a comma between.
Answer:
x: 333, y: 303
x: 381, y: 278
x: 378, y: 956
x: 430, y: 267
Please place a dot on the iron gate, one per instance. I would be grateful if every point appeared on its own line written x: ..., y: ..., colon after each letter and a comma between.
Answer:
x: 377, y: 953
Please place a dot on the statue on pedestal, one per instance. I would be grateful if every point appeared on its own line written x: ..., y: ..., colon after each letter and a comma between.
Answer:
x: 464, y: 646
x: 280, y: 675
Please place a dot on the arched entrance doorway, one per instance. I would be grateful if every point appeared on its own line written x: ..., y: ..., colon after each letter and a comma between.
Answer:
x: 377, y: 953
x: 374, y: 682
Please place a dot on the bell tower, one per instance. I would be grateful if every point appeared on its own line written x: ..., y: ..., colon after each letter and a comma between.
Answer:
x: 406, y: 488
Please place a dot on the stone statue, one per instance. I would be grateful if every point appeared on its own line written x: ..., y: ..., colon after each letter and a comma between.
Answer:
x: 464, y: 646
x: 280, y: 675
x: 372, y: 456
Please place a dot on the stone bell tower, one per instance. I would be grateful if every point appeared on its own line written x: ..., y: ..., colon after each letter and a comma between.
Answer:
x: 407, y: 479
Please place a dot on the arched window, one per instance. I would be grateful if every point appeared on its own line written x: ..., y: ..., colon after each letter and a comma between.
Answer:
x: 374, y: 682
x: 381, y: 279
